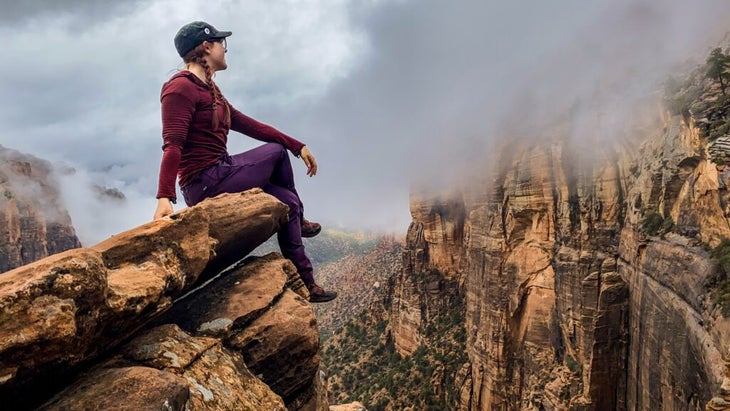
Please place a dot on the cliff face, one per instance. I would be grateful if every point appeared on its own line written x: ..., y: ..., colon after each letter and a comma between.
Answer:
x: 430, y: 274
x: 571, y: 300
x: 405, y: 350
x: 33, y: 223
x: 673, y: 320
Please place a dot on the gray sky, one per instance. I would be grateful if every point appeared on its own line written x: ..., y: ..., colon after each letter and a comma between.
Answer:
x: 385, y: 93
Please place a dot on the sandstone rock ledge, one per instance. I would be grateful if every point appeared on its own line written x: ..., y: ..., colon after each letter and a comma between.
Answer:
x: 247, y: 326
x: 115, y: 326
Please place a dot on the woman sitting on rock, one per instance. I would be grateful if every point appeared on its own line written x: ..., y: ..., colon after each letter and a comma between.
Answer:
x: 196, y: 119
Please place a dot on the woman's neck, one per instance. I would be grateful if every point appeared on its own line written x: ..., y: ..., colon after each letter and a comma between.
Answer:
x: 198, y: 70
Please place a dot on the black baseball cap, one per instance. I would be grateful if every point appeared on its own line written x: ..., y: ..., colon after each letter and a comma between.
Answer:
x: 192, y: 34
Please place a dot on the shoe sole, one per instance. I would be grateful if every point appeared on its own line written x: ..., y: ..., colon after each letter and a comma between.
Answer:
x: 321, y: 299
x: 312, y: 234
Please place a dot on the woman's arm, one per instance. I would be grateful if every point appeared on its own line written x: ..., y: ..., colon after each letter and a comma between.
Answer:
x: 177, y: 113
x: 263, y: 132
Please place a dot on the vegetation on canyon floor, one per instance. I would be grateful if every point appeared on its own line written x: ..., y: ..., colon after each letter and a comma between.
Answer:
x: 330, y: 245
x: 365, y: 366
x: 360, y: 280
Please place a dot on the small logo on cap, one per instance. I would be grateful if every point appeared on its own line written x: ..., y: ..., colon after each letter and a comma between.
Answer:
x: 207, y: 30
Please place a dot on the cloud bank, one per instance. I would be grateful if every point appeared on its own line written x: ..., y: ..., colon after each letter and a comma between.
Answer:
x: 385, y: 93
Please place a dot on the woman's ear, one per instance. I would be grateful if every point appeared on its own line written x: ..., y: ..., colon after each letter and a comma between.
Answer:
x: 207, y: 46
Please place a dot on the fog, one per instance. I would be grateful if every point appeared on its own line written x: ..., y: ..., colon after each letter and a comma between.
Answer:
x: 386, y: 94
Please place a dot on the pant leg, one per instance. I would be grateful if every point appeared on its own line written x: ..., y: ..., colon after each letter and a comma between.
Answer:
x: 267, y: 166
x: 290, y: 236
x: 262, y: 165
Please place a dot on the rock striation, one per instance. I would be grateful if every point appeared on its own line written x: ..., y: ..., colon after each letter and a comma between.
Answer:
x: 143, y: 320
x: 33, y: 222
x: 572, y: 300
x: 430, y: 272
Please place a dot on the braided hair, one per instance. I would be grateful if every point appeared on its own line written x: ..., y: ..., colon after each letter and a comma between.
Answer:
x: 197, y: 55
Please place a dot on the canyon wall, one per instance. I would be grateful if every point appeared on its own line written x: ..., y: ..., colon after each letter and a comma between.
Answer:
x: 572, y: 300
x: 33, y: 222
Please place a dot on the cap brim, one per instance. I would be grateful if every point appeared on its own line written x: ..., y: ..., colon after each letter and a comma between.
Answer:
x: 221, y: 34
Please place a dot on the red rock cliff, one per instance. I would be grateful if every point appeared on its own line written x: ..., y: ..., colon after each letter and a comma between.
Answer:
x: 33, y: 222
x: 571, y: 302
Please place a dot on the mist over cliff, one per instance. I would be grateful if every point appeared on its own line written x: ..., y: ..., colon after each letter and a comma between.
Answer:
x: 383, y: 92
x: 34, y: 222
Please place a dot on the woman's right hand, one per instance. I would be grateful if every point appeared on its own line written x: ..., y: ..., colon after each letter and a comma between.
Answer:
x: 309, y: 161
x: 164, y: 208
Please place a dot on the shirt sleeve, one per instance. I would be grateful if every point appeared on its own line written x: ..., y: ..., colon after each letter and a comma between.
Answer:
x: 177, y: 113
x: 263, y: 132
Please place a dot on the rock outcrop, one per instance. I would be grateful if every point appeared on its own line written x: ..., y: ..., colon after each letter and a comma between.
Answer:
x: 33, y: 222
x: 433, y: 255
x: 407, y: 350
x: 247, y: 339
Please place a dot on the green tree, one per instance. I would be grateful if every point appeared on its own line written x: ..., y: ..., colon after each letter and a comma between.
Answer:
x: 717, y: 65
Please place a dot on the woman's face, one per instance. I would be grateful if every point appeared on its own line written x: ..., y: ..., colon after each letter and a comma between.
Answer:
x: 217, y: 54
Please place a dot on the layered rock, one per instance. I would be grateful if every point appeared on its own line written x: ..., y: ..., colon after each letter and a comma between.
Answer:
x: 572, y: 301
x: 545, y: 305
x: 672, y: 319
x: 248, y: 323
x: 33, y: 222
x: 429, y: 277
x: 69, y: 311
x: 355, y: 406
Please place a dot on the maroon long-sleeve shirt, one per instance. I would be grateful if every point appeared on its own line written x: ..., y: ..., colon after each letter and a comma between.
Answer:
x: 190, y: 143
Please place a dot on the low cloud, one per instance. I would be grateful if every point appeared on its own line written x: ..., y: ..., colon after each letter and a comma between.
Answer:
x: 385, y: 93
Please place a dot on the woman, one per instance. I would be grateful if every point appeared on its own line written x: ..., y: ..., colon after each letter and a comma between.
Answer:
x: 196, y: 119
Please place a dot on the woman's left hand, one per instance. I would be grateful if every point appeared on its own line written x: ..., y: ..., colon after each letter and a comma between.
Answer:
x: 309, y: 161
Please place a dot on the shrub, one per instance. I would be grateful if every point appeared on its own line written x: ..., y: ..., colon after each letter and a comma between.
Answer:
x: 572, y: 364
x: 719, y: 281
x: 720, y: 256
x: 652, y: 223
x: 667, y: 225
x: 721, y: 296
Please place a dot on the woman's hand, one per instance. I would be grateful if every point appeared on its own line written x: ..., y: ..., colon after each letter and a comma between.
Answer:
x: 309, y: 161
x: 164, y: 208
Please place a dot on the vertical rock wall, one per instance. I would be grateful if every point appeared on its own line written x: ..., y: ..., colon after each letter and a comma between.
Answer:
x: 571, y: 303
x: 546, y: 309
x: 431, y: 273
x: 678, y: 336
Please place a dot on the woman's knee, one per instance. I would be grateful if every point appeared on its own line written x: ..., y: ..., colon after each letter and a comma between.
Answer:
x: 292, y: 201
x: 275, y: 148
x: 285, y: 196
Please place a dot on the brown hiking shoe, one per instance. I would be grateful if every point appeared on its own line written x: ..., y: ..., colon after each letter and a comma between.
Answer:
x: 318, y: 294
x: 310, y: 229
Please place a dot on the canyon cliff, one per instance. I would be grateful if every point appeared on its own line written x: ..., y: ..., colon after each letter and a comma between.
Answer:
x: 33, y: 222
x: 589, y: 267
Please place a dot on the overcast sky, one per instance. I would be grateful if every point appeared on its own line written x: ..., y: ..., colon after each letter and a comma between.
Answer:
x: 385, y: 93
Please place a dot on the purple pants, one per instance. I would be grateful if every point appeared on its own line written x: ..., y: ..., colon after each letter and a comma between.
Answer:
x: 268, y: 167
